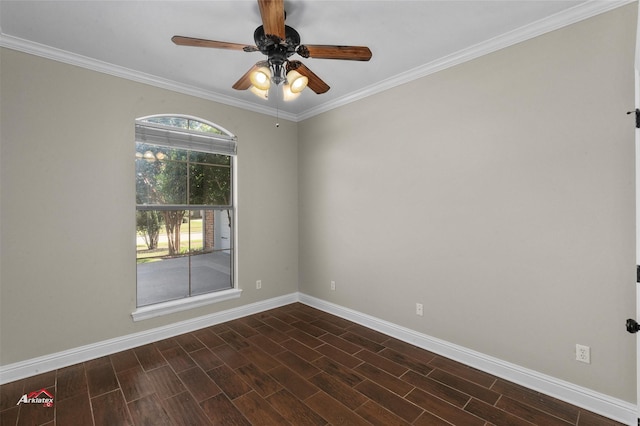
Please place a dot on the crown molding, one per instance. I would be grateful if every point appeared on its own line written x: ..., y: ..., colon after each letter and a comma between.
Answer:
x: 562, y: 19
x: 59, y: 55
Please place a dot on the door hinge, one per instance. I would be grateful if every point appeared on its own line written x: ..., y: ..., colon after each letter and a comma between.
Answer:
x: 638, y: 278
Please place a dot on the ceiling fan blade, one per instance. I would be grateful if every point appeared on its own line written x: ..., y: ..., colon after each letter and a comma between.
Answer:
x: 321, y: 51
x: 200, y: 42
x: 272, y: 13
x: 315, y: 83
x: 244, y: 83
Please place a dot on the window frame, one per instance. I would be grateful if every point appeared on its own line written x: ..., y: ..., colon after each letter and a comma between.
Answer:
x: 224, y: 143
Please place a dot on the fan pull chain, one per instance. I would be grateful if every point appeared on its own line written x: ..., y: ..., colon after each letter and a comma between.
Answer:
x: 277, y: 111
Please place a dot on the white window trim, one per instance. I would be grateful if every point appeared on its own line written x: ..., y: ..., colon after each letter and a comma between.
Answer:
x: 173, y: 306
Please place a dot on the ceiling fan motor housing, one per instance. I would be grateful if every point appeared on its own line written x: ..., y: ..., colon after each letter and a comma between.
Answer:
x: 274, y: 47
x: 277, y: 50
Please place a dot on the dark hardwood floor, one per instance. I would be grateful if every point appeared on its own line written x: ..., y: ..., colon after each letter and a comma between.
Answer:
x: 292, y: 365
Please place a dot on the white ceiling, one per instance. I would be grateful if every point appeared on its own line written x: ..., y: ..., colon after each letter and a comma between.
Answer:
x: 409, y: 39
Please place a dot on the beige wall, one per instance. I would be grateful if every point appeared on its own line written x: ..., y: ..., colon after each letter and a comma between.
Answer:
x: 498, y: 193
x: 68, y: 270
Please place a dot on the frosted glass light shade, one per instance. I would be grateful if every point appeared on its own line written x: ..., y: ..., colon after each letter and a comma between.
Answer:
x: 287, y: 94
x: 264, y: 94
x: 261, y: 78
x: 297, y: 81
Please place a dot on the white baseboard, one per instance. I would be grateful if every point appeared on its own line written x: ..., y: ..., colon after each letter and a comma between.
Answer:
x: 588, y: 399
x: 31, y: 367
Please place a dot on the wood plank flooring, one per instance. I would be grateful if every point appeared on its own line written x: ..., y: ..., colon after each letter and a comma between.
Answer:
x: 293, y: 365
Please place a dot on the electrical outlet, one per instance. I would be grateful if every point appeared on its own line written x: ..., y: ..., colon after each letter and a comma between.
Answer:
x: 419, y: 309
x: 258, y: 284
x: 583, y: 353
x: 333, y: 285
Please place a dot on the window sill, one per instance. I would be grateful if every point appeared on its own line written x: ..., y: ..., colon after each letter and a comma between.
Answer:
x: 173, y: 306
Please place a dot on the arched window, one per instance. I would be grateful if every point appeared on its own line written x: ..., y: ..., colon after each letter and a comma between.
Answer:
x: 184, y: 209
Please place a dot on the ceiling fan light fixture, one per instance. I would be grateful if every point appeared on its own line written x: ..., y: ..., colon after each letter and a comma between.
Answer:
x: 297, y: 82
x: 288, y: 94
x: 264, y: 94
x: 261, y: 78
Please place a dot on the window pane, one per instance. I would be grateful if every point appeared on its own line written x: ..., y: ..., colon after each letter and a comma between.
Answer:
x: 184, y: 123
x: 182, y: 253
x: 163, y: 280
x: 161, y: 234
x: 210, y: 185
x: 211, y: 267
x: 173, y: 184
x: 208, y: 158
x: 163, y: 270
x: 152, y: 153
x: 180, y: 122
x: 203, y: 127
x: 195, y: 231
x: 161, y: 175
x: 210, y: 272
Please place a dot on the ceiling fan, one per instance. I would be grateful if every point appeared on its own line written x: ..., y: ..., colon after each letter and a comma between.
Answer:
x: 279, y: 42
